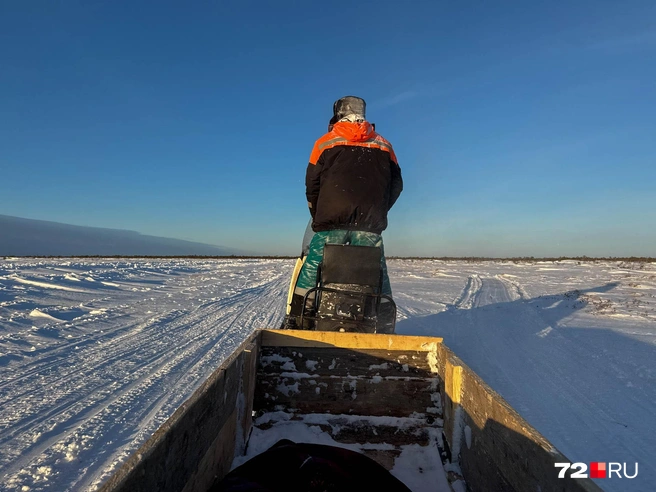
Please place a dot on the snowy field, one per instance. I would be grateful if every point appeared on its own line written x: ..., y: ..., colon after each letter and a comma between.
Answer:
x: 96, y: 354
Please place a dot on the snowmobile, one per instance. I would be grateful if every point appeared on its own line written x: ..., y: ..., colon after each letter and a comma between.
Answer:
x: 348, y: 296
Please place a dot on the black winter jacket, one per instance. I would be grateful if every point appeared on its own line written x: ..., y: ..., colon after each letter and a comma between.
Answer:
x: 352, y: 180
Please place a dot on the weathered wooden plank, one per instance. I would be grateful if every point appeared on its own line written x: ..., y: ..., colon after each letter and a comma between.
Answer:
x: 249, y: 382
x: 398, y: 397
x: 206, y: 423
x: 345, y: 362
x: 451, y: 389
x: 218, y: 459
x: 498, y: 449
x: 366, y: 429
x: 307, y: 338
x: 233, y: 435
x: 350, y: 432
x: 381, y: 438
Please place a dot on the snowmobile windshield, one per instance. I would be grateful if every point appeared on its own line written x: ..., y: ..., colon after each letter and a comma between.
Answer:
x: 307, y: 238
x: 354, y: 131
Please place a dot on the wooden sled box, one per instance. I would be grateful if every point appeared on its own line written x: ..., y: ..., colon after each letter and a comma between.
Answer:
x: 385, y: 395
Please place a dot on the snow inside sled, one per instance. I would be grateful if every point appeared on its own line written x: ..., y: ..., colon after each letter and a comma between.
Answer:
x: 348, y: 297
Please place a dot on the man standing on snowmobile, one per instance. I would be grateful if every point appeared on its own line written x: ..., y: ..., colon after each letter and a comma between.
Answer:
x: 352, y: 180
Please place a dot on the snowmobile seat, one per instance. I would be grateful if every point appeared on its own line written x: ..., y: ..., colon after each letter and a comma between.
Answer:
x: 346, y: 264
x: 348, y: 297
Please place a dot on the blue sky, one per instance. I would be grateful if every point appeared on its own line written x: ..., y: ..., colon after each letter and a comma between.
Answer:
x: 522, y: 128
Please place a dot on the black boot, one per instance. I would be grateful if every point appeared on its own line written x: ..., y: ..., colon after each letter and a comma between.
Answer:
x: 289, y: 323
x: 293, y: 319
x: 386, y: 317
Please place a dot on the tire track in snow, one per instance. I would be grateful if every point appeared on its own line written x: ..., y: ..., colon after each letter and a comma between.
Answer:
x: 53, y: 360
x: 468, y: 296
x: 168, y: 356
x: 548, y: 376
x: 143, y: 342
x: 121, y: 336
x: 514, y: 288
x: 252, y: 315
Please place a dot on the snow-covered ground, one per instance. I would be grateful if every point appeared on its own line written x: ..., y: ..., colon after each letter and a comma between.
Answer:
x: 96, y: 354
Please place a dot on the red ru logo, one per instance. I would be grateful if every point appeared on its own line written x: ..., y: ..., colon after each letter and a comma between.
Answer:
x: 597, y: 469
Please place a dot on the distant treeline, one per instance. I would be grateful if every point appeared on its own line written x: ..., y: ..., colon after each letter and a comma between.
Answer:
x: 471, y: 259
x: 160, y: 257
x: 477, y: 259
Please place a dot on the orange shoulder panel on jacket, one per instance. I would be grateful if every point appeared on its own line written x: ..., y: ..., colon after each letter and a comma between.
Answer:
x: 332, y: 139
x: 387, y: 146
x: 319, y: 146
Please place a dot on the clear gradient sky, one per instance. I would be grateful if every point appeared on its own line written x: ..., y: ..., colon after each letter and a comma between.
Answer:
x: 522, y: 128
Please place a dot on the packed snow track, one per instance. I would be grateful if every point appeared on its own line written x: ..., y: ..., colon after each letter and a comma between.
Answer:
x: 79, y: 393
x: 96, y: 354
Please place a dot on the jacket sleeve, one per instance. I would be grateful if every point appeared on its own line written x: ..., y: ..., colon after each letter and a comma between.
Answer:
x: 396, y: 184
x: 312, y: 184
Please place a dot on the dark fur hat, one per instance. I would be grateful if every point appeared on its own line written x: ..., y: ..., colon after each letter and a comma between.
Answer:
x: 346, y: 106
